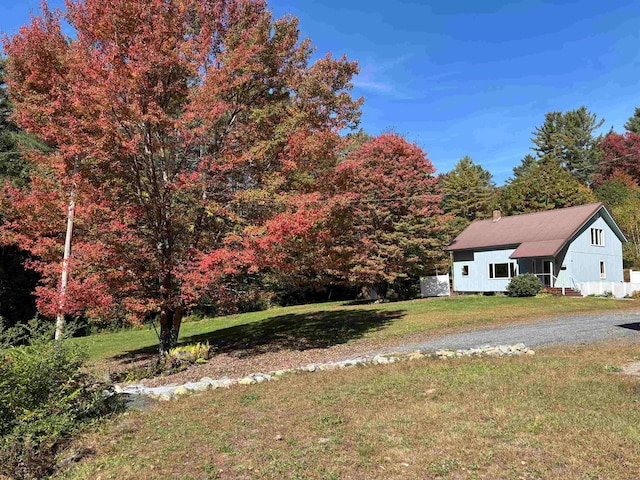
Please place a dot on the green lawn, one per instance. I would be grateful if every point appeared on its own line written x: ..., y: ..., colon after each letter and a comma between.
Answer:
x: 325, y: 324
x: 563, y: 413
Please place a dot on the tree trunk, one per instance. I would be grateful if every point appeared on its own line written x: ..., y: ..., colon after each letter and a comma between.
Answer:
x: 60, y: 320
x: 170, y: 321
x: 381, y: 289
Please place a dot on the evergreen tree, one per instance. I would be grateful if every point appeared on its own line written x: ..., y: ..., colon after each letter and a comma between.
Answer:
x: 469, y: 191
x: 633, y: 124
x: 17, y: 303
x: 544, y: 187
x: 569, y: 140
x: 528, y: 162
x: 12, y: 166
x: 548, y: 137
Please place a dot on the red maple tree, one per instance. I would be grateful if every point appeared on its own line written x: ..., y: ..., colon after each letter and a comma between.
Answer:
x: 194, y: 124
x: 397, y: 230
x: 373, y: 221
x: 620, y: 153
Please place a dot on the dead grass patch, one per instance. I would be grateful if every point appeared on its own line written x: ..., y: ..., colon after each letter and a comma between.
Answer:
x: 559, y: 414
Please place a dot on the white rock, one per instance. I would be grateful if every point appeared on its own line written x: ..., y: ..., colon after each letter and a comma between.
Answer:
x: 381, y: 360
x: 226, y: 382
x: 259, y: 379
x: 200, y: 386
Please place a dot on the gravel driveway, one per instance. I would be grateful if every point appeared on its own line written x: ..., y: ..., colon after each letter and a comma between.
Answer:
x: 564, y: 330
x: 567, y: 329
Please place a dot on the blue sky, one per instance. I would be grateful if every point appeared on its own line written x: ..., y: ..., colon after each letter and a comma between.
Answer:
x: 469, y: 77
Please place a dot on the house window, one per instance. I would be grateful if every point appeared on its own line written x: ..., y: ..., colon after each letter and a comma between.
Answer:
x: 502, y: 270
x: 603, y: 271
x: 597, y: 237
x: 465, y: 270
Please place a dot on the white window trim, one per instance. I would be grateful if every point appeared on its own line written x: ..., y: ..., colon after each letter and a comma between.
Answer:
x: 598, y: 235
x: 603, y: 270
x: 515, y: 270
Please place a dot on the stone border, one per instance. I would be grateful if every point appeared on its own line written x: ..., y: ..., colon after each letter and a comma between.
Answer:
x: 174, y: 391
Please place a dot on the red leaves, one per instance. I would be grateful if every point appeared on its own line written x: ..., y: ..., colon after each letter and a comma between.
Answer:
x: 620, y: 153
x: 395, y: 217
x: 202, y: 134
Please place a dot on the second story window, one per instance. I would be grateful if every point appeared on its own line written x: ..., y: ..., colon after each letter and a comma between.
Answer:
x: 597, y: 237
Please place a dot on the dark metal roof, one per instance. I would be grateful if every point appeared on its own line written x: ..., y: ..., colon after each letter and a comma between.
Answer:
x: 538, y: 234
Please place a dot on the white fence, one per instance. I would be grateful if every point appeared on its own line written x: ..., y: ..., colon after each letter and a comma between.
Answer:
x: 436, y: 286
x: 618, y: 289
x: 634, y: 276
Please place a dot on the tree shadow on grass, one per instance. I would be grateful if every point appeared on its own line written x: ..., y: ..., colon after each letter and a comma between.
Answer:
x: 287, y: 332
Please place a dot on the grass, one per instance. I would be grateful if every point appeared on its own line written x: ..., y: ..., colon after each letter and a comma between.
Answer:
x: 326, y: 324
x: 563, y: 413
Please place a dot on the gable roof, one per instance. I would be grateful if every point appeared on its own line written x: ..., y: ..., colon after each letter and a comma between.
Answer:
x: 538, y: 234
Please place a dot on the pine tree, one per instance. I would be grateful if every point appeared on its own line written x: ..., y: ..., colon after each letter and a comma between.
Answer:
x: 545, y: 186
x: 12, y: 165
x: 17, y: 304
x: 528, y: 162
x: 569, y: 140
x: 633, y: 124
x: 469, y: 191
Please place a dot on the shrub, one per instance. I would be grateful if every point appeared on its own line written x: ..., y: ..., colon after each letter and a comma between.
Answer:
x: 527, y: 285
x: 44, y: 398
x: 195, y: 353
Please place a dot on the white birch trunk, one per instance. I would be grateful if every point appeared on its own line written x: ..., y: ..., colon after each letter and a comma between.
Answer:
x: 64, y: 279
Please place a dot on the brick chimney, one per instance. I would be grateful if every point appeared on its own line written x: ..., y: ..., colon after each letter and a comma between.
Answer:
x: 496, y: 215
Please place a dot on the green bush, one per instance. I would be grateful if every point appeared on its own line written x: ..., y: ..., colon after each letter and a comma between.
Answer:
x: 44, y: 398
x: 527, y: 285
x: 195, y: 353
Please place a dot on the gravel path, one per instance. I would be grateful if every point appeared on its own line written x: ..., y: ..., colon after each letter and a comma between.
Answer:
x: 564, y: 330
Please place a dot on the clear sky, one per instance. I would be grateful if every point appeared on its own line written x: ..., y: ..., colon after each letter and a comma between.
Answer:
x: 469, y: 77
